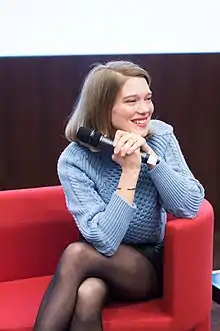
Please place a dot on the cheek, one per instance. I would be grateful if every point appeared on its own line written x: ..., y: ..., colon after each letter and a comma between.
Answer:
x: 116, y: 118
x: 122, y: 113
x: 151, y: 107
x: 129, y: 111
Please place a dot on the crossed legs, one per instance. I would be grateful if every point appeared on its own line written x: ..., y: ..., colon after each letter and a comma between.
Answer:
x: 81, y: 284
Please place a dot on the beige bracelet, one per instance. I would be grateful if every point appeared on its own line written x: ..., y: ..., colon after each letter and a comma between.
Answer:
x: 126, y: 188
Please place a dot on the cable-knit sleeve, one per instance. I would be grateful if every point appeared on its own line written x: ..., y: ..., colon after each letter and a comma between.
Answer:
x: 103, y: 225
x: 181, y: 194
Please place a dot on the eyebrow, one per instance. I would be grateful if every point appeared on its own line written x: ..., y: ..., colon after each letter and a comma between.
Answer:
x: 149, y: 94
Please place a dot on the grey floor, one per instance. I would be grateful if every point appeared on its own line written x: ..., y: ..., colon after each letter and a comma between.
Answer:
x: 215, y: 315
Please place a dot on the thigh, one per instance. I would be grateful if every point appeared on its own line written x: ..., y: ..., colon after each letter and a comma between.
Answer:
x: 134, y: 275
x: 129, y: 274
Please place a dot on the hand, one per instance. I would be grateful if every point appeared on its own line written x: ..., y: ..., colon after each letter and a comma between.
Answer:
x: 126, y: 143
x: 127, y: 150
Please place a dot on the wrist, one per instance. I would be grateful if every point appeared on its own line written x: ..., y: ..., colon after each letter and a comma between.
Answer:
x: 127, y: 184
x: 129, y: 178
x: 132, y: 173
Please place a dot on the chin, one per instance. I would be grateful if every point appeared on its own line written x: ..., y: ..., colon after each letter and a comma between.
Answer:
x: 141, y: 131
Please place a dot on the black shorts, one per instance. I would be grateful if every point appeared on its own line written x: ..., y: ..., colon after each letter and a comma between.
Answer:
x: 155, y: 254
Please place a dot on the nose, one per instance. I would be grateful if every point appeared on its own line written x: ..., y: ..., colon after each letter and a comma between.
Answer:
x: 143, y: 107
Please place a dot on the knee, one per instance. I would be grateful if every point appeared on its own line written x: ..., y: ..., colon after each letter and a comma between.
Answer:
x: 92, y: 290
x: 92, y: 294
x: 74, y: 257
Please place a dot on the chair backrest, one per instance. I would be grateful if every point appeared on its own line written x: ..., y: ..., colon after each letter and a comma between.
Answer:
x: 35, y: 227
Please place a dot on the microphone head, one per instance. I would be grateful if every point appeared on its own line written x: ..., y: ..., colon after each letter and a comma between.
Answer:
x: 88, y: 136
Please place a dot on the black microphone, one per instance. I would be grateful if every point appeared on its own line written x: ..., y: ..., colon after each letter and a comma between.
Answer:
x: 96, y: 139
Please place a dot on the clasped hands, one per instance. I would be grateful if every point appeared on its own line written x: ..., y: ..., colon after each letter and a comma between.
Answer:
x: 127, y: 148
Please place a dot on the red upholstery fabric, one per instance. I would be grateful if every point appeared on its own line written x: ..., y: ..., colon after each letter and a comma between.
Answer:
x: 19, y: 294
x: 35, y: 227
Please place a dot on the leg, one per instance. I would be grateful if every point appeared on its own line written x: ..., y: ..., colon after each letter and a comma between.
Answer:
x: 91, y: 296
x: 127, y: 272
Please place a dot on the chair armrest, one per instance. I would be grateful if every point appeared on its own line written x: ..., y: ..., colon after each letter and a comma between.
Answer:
x: 35, y: 228
x: 188, y: 267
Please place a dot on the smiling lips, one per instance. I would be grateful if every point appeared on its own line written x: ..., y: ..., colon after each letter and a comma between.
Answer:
x: 141, y: 122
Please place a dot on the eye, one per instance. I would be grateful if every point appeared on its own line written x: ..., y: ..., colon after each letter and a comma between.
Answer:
x: 131, y: 100
x: 149, y: 98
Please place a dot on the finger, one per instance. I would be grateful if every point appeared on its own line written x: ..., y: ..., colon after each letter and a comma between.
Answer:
x: 118, y: 135
x: 113, y: 157
x: 136, y: 145
x: 121, y: 141
x: 126, y: 147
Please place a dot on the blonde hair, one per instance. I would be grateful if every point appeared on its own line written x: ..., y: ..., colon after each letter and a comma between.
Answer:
x: 98, y: 95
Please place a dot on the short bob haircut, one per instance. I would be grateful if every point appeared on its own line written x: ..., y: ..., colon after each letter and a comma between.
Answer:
x: 98, y: 95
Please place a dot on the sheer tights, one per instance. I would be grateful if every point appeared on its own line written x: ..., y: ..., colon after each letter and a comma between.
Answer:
x: 80, y: 286
x: 92, y: 294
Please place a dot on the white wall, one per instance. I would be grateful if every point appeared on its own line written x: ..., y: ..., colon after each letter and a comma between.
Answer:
x: 64, y: 27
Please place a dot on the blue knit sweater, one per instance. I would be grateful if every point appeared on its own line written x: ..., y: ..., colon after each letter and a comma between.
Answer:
x: 90, y: 179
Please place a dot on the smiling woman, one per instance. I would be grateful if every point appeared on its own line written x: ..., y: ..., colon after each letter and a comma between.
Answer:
x: 119, y: 203
x: 117, y: 91
x: 133, y: 107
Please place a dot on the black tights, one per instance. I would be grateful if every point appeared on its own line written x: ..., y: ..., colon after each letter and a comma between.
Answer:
x: 82, y: 282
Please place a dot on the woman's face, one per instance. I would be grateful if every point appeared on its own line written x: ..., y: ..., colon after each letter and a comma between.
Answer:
x: 133, y: 107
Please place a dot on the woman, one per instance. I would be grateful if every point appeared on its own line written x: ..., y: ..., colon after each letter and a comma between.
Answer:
x: 119, y: 203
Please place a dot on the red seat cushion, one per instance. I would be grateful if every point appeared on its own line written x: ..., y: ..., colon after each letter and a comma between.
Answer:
x: 20, y: 300
x: 136, y: 317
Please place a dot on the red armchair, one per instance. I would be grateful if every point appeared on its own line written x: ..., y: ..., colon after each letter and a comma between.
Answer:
x: 35, y: 227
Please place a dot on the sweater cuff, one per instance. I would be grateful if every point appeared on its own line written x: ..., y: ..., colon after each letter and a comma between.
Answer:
x: 167, y: 180
x: 118, y: 215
